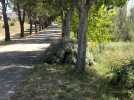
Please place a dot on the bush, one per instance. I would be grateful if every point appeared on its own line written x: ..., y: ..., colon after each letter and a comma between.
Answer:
x: 12, y: 23
x: 124, y: 77
x: 116, y: 64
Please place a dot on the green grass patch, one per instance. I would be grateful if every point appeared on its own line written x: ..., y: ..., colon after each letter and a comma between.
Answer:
x: 60, y: 82
x: 116, y: 65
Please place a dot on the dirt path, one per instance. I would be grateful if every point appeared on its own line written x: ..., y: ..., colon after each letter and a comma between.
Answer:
x: 19, y: 56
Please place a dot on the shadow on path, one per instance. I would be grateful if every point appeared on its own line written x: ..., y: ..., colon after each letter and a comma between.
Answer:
x: 18, y: 56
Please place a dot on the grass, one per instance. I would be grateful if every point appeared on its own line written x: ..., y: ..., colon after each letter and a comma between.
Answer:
x: 116, y: 64
x: 114, y: 56
x: 58, y: 82
x: 61, y: 82
x: 14, y: 29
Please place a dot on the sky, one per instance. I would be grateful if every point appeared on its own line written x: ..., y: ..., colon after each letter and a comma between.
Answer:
x: 129, y: 6
x: 8, y: 9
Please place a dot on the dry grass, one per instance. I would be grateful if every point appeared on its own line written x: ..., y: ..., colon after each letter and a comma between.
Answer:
x: 14, y: 30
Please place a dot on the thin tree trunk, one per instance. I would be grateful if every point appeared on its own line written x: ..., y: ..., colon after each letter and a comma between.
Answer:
x: 63, y: 27
x: 82, y: 41
x: 40, y: 27
x: 31, y: 25
x: 40, y: 23
x: 67, y: 25
x: 36, y: 30
x: 22, y: 23
x: 22, y: 29
x: 21, y: 18
x: 5, y: 18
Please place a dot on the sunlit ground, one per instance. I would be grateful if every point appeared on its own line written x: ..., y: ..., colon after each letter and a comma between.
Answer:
x: 14, y: 30
x: 24, y: 47
x: 18, y: 56
x: 35, y: 42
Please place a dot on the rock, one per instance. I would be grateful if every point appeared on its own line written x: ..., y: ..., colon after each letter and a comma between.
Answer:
x: 60, y: 53
x: 90, y: 59
x: 66, y: 53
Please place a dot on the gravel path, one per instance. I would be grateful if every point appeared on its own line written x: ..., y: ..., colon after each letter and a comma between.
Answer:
x: 19, y: 56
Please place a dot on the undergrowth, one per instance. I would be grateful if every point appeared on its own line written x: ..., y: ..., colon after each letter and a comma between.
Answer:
x: 111, y: 78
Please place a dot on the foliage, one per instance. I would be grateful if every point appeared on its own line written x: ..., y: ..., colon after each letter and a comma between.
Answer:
x: 121, y: 26
x: 110, y: 79
x: 99, y: 24
x: 12, y: 23
x: 116, y: 65
x: 74, y: 23
x: 60, y: 82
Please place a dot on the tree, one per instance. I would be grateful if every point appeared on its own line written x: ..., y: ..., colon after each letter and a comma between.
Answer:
x: 21, y: 17
x: 5, y: 18
x: 30, y: 7
x: 20, y: 9
x: 64, y: 9
x: 123, y: 26
x: 82, y: 30
x: 84, y: 8
x: 100, y: 23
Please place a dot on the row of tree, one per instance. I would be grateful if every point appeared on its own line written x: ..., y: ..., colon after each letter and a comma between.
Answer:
x: 24, y: 9
x: 42, y: 12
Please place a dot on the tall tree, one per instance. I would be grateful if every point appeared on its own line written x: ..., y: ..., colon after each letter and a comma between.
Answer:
x: 5, y: 18
x: 21, y: 18
x: 82, y: 30
x: 84, y: 8
x: 64, y: 8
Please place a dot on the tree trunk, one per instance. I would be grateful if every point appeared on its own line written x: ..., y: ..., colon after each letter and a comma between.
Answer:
x: 21, y: 18
x: 22, y: 29
x: 31, y: 25
x: 82, y: 41
x: 40, y: 27
x: 63, y: 27
x: 67, y: 25
x: 40, y: 23
x: 36, y: 30
x: 5, y: 18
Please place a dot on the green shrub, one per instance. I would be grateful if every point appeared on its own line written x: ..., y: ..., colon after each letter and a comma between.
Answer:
x: 12, y: 23
x: 124, y: 77
x: 116, y: 64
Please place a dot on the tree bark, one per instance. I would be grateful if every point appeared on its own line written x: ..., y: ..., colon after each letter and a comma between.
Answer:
x: 5, y: 18
x: 40, y: 23
x: 21, y: 18
x: 82, y: 41
x: 40, y: 28
x: 22, y: 29
x: 31, y: 25
x: 63, y: 26
x: 67, y: 25
x: 36, y: 30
